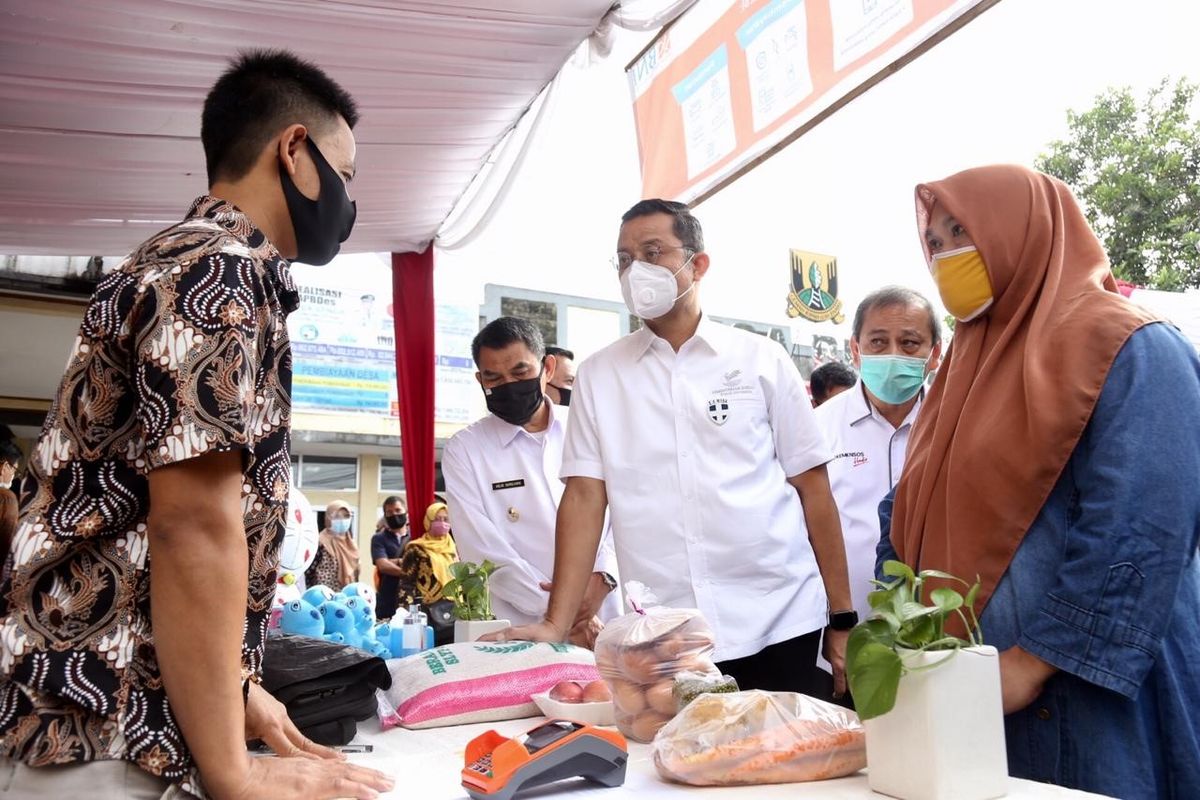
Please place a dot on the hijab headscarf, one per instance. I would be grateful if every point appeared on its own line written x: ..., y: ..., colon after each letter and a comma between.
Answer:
x: 1019, y: 384
x: 440, y: 549
x: 341, y: 546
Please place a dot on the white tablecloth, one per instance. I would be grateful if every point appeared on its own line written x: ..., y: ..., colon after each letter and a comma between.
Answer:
x: 427, y: 765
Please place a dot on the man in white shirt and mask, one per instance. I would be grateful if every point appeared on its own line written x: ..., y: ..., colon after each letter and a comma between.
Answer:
x: 700, y: 441
x: 503, y: 482
x: 896, y: 342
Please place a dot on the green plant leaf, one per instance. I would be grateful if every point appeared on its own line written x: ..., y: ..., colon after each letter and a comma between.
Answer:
x: 898, y: 569
x: 910, y: 610
x: 879, y: 599
x: 874, y: 676
x: 460, y: 570
x: 946, y: 599
x: 890, y: 618
x: 937, y: 573
x: 972, y: 593
x: 919, y: 633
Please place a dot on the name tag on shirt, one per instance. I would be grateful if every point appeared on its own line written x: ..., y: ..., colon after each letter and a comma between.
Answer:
x: 508, y: 484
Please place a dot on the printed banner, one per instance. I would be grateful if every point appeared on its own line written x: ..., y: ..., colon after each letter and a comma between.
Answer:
x: 731, y: 79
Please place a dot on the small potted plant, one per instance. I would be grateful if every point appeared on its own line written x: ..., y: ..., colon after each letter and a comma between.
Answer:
x: 930, y: 701
x: 472, y: 600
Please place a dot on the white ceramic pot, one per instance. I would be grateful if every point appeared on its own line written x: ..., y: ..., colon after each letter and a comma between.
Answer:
x: 944, y: 740
x: 471, y: 630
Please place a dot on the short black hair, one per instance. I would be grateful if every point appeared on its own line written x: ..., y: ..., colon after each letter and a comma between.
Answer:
x: 559, y: 352
x: 261, y: 93
x: 395, y: 498
x: 503, y: 331
x: 897, y: 296
x: 827, y: 376
x: 9, y: 452
x: 686, y: 227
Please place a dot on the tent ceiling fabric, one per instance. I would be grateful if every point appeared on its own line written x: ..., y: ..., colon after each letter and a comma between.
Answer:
x: 100, y: 104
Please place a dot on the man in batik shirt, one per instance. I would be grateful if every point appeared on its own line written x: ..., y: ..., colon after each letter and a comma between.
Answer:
x: 134, y: 610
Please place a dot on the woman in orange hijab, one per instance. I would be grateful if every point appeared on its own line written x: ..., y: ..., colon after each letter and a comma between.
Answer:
x: 1058, y: 458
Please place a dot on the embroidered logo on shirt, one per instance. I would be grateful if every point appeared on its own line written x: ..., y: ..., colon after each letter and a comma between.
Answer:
x: 516, y: 484
x: 859, y: 457
x: 718, y: 410
x: 731, y: 378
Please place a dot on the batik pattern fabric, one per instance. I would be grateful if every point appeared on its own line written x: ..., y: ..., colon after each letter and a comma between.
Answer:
x: 324, y: 571
x: 183, y: 351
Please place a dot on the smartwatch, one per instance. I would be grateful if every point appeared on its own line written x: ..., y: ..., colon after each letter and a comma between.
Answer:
x: 842, y: 620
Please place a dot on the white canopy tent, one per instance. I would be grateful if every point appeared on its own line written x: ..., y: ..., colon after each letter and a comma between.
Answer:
x: 100, y: 104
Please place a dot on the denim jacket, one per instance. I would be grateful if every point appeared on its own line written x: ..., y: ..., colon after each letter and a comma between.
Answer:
x: 1105, y: 586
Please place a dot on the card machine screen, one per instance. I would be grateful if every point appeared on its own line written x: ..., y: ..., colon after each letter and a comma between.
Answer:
x: 548, y: 734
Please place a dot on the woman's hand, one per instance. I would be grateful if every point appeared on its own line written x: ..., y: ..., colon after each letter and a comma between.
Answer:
x: 1022, y: 678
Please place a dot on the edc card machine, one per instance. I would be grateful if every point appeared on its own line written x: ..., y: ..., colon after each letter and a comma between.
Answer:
x: 498, y: 767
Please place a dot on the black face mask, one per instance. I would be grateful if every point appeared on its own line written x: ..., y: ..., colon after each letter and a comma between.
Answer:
x: 515, y: 402
x: 396, y: 521
x: 564, y: 395
x: 321, y: 225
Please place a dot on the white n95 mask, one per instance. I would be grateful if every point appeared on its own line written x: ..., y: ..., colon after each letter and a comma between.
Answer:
x: 649, y: 290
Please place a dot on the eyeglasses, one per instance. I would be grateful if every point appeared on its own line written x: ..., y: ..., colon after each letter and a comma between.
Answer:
x: 650, y: 255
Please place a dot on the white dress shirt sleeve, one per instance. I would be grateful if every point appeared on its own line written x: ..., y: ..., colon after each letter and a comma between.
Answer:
x: 581, y: 451
x: 799, y: 443
x: 516, y: 582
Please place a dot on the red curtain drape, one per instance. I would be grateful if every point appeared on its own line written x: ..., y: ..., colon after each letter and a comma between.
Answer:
x: 412, y: 306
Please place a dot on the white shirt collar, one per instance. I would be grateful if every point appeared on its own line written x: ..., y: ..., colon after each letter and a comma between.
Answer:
x: 506, y: 432
x: 859, y: 407
x: 713, y: 334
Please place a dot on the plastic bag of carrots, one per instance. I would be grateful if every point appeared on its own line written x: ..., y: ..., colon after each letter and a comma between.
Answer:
x: 759, y: 737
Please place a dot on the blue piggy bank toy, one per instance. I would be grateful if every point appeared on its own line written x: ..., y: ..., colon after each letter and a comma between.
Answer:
x: 302, y: 619
x: 340, y: 620
x: 318, y: 594
x: 361, y: 590
x: 364, y: 617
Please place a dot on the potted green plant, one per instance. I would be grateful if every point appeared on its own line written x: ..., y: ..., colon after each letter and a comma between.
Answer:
x: 930, y: 700
x: 468, y: 590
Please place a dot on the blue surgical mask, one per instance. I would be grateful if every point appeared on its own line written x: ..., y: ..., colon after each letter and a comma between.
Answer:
x: 893, y: 379
x: 340, y: 525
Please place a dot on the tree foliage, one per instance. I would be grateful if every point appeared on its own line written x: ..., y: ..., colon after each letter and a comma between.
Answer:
x: 1135, y: 167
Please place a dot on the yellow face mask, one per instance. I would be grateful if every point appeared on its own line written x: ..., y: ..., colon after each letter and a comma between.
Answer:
x: 962, y: 281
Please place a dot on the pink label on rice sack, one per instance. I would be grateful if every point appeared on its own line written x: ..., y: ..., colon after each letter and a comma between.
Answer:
x: 492, y: 691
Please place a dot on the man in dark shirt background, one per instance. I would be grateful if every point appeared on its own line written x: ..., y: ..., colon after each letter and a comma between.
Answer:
x: 387, y: 546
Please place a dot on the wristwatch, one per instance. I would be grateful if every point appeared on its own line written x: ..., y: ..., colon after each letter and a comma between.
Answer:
x: 842, y: 620
x: 609, y: 580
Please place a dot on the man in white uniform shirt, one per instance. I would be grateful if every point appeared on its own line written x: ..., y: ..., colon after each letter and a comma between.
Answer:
x: 896, y: 342
x: 503, y: 483
x: 700, y: 441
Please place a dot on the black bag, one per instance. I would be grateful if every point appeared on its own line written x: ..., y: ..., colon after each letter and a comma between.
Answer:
x: 440, y: 616
x: 327, y: 688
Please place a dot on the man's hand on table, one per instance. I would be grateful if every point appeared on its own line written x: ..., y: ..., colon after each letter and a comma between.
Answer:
x: 302, y: 767
x: 544, y: 631
x: 584, y: 632
x: 298, y: 776
x: 587, y: 625
x: 267, y: 719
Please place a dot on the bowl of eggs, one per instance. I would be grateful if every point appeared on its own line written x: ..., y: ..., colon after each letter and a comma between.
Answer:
x: 588, y: 703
